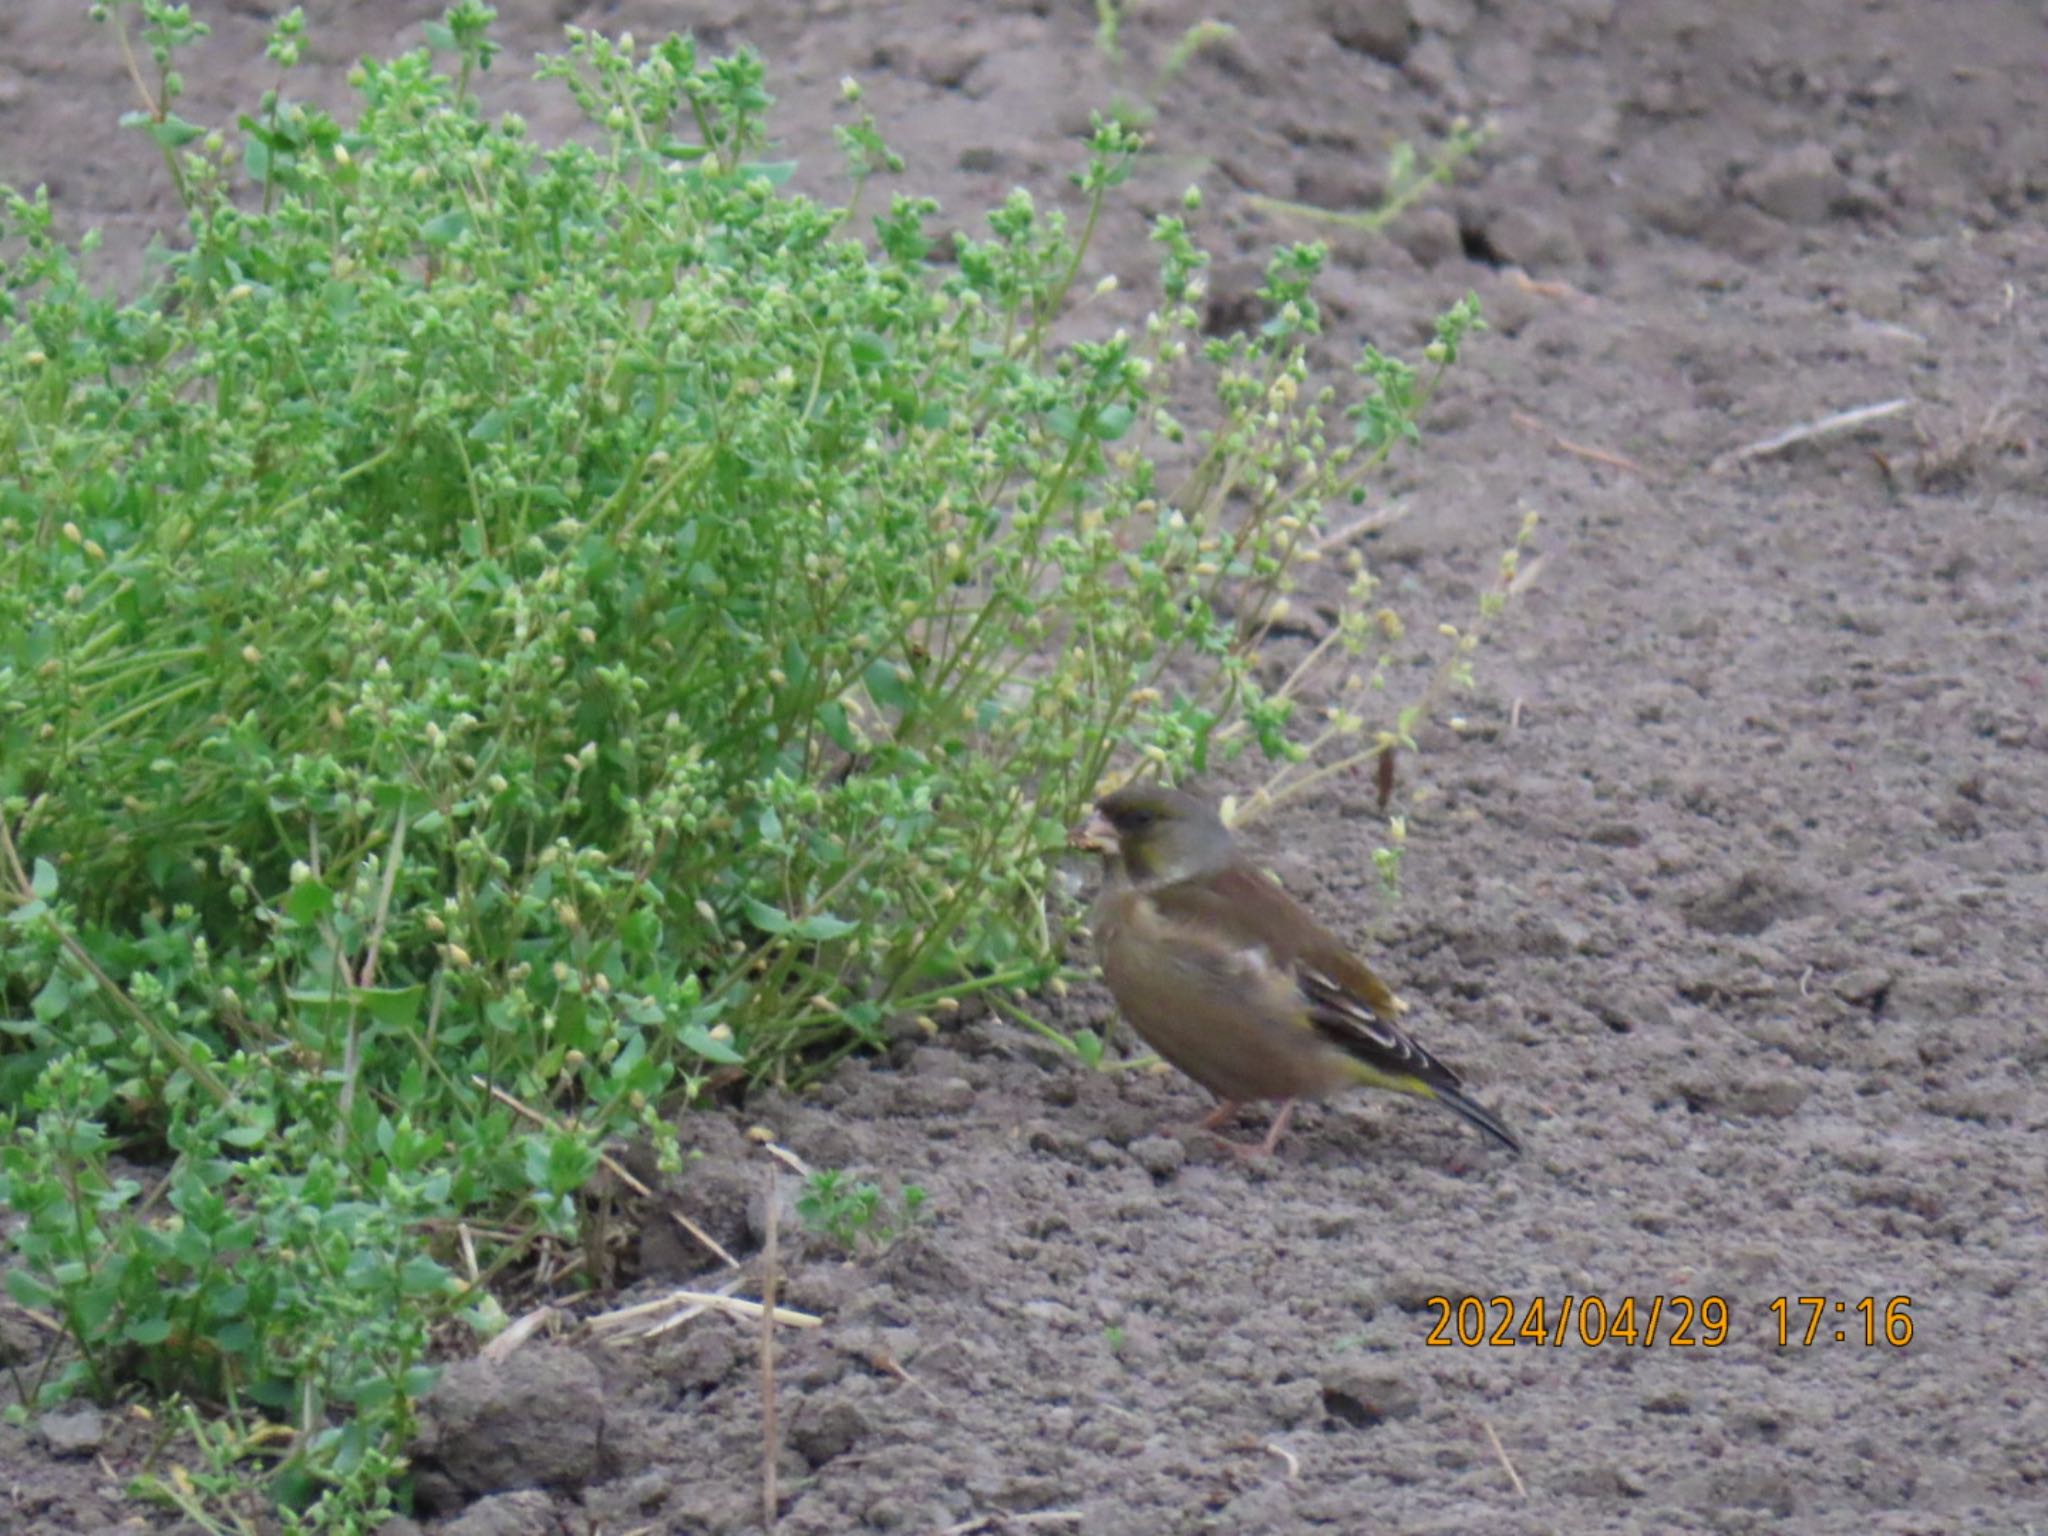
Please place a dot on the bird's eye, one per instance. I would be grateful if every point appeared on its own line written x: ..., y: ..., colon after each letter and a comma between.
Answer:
x: 1138, y: 820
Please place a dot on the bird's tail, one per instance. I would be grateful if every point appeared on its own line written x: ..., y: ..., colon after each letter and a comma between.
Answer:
x: 1487, y: 1121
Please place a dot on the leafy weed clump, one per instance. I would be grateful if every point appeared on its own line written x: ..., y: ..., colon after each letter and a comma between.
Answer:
x: 501, y: 638
x: 853, y: 1213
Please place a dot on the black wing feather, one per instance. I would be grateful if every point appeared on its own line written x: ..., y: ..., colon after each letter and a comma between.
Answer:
x: 1346, y: 1022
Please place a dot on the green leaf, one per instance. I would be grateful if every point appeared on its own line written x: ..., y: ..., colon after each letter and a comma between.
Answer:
x: 26, y: 1289
x: 394, y: 1006
x: 173, y: 132
x: 259, y: 1130
x: 193, y: 1248
x: 50, y: 1003
x: 837, y: 728
x: 886, y: 685
x: 228, y: 1302
x: 281, y: 139
x: 699, y: 1039
x: 421, y: 1276
x: 866, y: 1019
x: 870, y: 349
x: 1112, y: 422
x: 570, y: 1164
x: 148, y: 1331
x: 445, y: 228
x: 640, y: 933
x: 796, y: 663
x: 309, y: 901
x: 823, y: 925
x: 43, y: 883
x: 768, y: 919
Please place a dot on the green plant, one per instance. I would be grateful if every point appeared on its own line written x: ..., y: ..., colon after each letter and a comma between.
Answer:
x: 1139, y: 111
x: 256, y: 1277
x: 503, y: 625
x: 856, y: 1214
x: 228, y: 1489
x: 1410, y: 178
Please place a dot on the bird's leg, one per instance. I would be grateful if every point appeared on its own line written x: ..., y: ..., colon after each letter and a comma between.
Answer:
x: 1276, y: 1130
x: 1245, y: 1149
x: 1224, y: 1109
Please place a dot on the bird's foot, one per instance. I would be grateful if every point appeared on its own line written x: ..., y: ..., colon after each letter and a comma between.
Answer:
x: 1244, y: 1151
x: 1222, y: 1112
x: 1277, y: 1129
x: 1250, y: 1151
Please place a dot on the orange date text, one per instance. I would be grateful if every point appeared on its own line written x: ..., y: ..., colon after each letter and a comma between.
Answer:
x: 1647, y: 1322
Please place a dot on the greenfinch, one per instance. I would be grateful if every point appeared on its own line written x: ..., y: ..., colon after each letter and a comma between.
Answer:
x: 1230, y: 979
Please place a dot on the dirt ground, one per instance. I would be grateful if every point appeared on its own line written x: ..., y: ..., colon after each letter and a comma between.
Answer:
x: 1729, y: 895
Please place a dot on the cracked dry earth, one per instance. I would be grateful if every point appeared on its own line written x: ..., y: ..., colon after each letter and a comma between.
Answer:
x: 1728, y: 892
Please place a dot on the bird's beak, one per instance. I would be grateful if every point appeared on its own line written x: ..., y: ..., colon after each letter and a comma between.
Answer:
x: 1095, y: 835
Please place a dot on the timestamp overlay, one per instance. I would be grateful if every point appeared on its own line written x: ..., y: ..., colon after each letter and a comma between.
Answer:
x: 1674, y: 1321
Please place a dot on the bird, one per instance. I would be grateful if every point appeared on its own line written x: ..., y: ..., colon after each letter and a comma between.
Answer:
x: 1231, y: 980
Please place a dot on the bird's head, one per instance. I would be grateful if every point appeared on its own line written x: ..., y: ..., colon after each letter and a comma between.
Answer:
x: 1158, y: 835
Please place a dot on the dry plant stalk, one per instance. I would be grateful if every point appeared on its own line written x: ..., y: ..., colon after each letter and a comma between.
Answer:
x: 1807, y: 431
x: 1507, y: 1466
x: 769, y: 1438
x: 672, y: 1309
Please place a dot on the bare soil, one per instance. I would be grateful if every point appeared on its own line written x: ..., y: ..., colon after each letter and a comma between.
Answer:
x: 1729, y: 892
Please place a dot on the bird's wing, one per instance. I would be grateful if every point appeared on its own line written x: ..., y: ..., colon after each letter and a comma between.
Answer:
x: 1342, y: 1000
x: 1377, y: 1042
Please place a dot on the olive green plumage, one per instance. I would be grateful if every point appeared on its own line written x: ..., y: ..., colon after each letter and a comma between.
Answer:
x: 1231, y: 980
